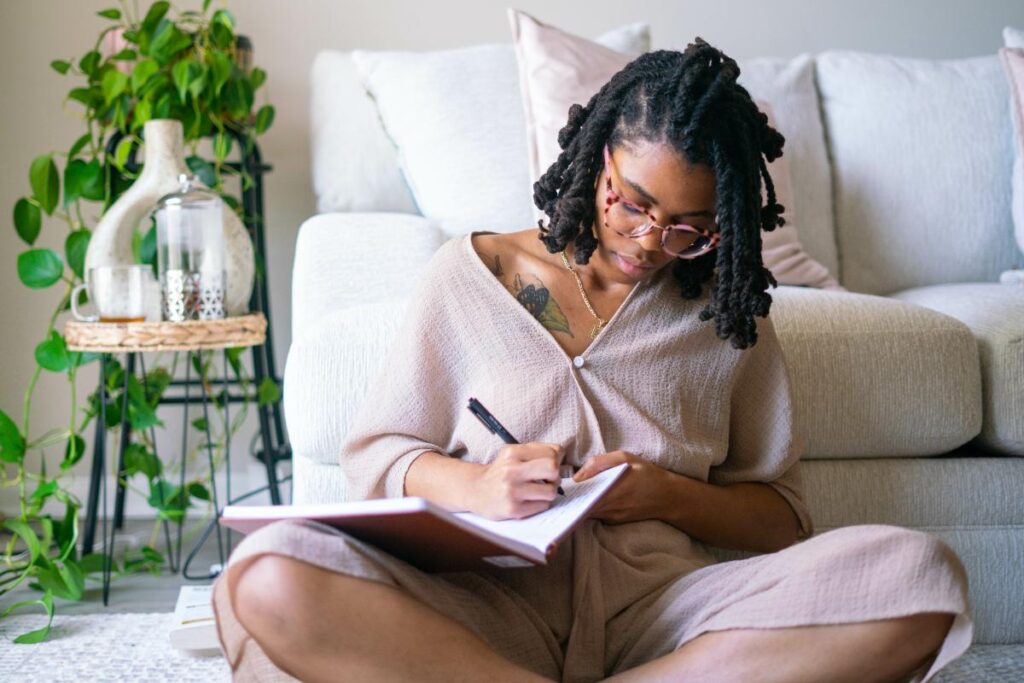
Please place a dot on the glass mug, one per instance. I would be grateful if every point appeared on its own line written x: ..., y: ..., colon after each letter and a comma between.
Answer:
x: 118, y: 292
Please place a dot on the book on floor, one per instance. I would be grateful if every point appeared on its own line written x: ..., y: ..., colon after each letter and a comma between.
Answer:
x: 435, y: 539
x: 194, y: 628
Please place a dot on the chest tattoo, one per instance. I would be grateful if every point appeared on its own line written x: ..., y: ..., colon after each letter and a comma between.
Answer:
x: 538, y: 300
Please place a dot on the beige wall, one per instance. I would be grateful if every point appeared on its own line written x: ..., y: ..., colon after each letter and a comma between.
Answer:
x: 286, y: 37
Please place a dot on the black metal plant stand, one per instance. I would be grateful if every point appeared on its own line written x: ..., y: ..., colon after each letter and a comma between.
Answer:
x: 273, y: 445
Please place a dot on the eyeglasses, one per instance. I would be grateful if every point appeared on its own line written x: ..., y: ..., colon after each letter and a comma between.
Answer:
x: 682, y: 240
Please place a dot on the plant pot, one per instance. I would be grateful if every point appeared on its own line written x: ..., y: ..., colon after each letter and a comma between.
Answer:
x: 111, y: 242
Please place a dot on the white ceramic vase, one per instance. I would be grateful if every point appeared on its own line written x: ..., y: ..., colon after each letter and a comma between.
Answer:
x: 111, y: 242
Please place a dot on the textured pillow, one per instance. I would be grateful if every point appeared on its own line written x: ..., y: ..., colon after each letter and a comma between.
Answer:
x: 455, y: 117
x: 1013, y: 64
x: 558, y: 69
x: 921, y: 160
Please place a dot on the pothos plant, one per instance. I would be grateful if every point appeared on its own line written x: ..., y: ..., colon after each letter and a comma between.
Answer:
x: 142, y: 66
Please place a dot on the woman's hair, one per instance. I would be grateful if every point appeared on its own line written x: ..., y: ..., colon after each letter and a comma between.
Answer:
x: 691, y: 101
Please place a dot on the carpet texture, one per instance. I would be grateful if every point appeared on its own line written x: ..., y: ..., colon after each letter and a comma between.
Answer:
x: 134, y: 647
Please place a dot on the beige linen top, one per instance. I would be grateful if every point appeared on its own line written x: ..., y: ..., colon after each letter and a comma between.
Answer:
x: 656, y: 381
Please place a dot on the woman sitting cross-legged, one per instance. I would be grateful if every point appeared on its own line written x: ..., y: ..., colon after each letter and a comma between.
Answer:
x: 625, y: 330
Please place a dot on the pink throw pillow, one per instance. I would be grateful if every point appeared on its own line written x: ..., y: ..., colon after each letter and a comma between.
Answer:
x: 558, y: 69
x: 1012, y: 59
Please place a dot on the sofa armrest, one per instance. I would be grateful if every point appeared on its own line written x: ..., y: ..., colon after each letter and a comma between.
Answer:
x: 995, y: 315
x: 328, y: 373
x: 350, y: 259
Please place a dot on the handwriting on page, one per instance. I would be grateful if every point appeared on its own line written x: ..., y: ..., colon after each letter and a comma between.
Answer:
x: 564, y: 512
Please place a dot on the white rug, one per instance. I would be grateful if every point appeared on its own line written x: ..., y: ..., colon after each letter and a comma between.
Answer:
x: 102, y: 647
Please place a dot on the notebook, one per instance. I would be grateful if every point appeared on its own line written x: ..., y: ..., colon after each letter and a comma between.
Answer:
x: 437, y: 540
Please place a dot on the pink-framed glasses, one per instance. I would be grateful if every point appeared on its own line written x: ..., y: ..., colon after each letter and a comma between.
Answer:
x: 681, y: 240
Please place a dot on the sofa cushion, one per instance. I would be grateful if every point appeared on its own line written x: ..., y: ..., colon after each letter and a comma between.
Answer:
x: 921, y: 162
x: 347, y: 259
x: 354, y: 166
x: 995, y: 315
x: 876, y: 377
x: 456, y: 120
x: 558, y: 69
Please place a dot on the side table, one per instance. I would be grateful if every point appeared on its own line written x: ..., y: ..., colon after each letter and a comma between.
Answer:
x: 133, y: 340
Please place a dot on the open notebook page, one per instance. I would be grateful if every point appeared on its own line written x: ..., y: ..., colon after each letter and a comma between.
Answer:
x: 544, y: 528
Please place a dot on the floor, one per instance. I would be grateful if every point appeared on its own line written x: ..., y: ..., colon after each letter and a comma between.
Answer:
x: 147, y: 593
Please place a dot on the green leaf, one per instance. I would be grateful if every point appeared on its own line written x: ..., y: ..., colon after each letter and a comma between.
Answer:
x: 27, y: 220
x: 223, y: 16
x: 126, y: 55
x: 110, y: 13
x: 152, y: 554
x: 39, y: 268
x: 197, y: 490
x: 162, y: 494
x: 27, y: 534
x: 155, y: 14
x: 257, y: 78
x: 199, y: 423
x: 52, y: 579
x: 60, y: 66
x: 222, y: 146
x: 82, y: 179
x: 39, y: 634
x: 269, y: 392
x: 52, y: 354
x: 264, y: 117
x: 79, y: 144
x: 91, y: 563
x: 122, y: 151
x: 220, y: 68
x: 181, y: 74
x: 83, y: 95
x: 114, y: 83
x: 73, y: 452
x: 45, y: 182
x: 204, y: 169
x: 168, y: 41
x: 142, y: 72
x: 147, y: 249
x: 206, y: 5
x: 221, y: 36
x: 12, y: 443
x: 138, y: 458
x: 74, y: 250
x: 44, y: 490
x: 90, y: 60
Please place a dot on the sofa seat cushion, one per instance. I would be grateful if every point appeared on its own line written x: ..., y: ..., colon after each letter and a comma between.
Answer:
x: 995, y: 315
x: 877, y: 377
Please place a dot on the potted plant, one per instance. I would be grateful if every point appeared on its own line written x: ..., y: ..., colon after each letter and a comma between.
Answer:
x: 192, y: 68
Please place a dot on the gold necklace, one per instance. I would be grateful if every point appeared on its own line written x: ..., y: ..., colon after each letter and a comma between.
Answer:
x: 601, y: 322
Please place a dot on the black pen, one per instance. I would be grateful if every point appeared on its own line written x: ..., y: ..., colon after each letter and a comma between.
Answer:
x: 492, y: 424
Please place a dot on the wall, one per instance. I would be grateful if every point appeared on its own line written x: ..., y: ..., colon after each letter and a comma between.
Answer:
x: 286, y: 37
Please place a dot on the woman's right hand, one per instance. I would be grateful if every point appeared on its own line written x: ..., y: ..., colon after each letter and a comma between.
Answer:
x: 522, y: 480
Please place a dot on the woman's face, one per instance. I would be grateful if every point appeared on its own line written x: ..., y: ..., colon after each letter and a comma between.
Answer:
x: 655, y: 178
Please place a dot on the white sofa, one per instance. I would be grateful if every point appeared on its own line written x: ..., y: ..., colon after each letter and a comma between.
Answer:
x: 909, y: 388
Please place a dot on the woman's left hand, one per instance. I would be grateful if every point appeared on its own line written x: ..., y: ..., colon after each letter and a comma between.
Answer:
x: 634, y: 497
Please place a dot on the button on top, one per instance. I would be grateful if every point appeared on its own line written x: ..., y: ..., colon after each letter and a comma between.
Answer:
x: 578, y: 361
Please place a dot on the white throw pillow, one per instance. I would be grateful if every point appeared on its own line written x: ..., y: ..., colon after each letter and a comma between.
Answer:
x: 456, y: 119
x: 921, y: 161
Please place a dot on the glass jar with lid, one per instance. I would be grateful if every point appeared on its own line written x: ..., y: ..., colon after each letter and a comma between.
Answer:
x: 190, y: 252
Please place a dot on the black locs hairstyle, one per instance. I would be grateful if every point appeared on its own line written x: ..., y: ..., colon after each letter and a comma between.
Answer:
x: 690, y: 100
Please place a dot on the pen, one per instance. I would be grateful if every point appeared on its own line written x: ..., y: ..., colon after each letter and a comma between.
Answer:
x: 492, y: 424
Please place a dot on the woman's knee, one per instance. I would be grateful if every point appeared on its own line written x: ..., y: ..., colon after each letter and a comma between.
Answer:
x: 274, y: 595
